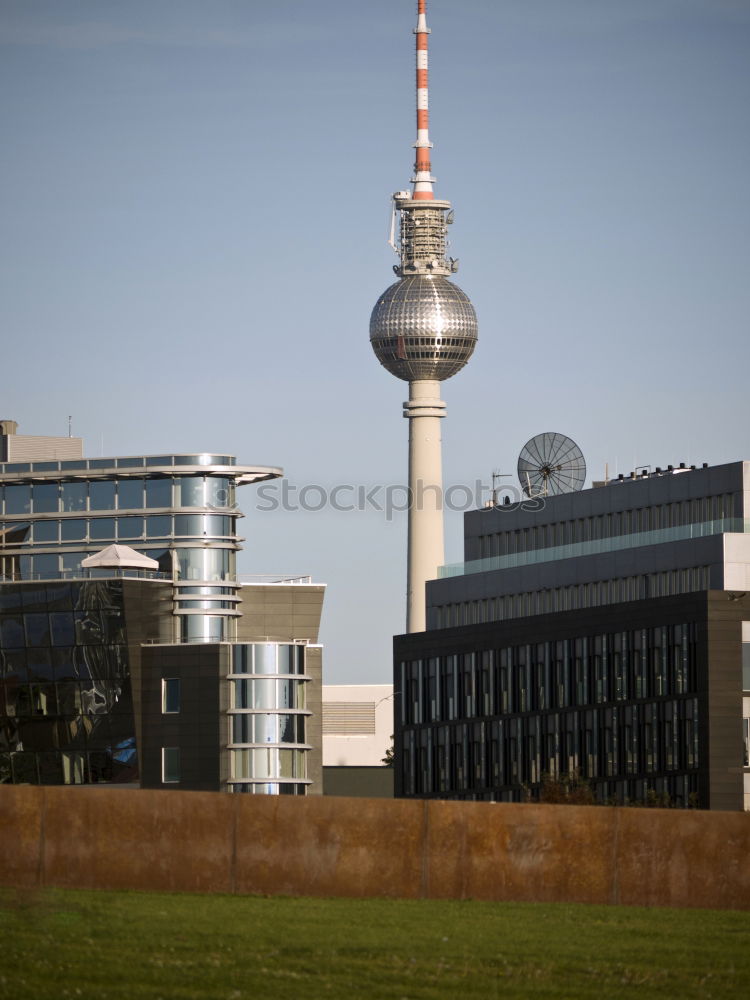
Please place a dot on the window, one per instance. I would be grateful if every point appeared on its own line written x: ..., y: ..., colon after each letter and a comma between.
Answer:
x: 170, y: 695
x: 102, y: 496
x: 745, y: 659
x: 170, y: 765
x: 46, y: 531
x: 17, y: 499
x: 219, y: 492
x: 192, y: 491
x: 158, y: 493
x: 130, y: 494
x: 73, y: 529
x: 129, y: 527
x: 159, y: 526
x: 74, y: 496
x: 45, y: 498
x: 102, y: 528
x: 46, y: 567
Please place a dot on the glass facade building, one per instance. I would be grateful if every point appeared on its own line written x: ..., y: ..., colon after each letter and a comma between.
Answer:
x: 82, y: 648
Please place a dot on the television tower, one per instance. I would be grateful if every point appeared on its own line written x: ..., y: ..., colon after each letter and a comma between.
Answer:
x: 423, y: 329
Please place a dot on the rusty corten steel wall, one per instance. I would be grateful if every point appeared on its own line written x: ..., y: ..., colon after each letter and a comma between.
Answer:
x: 100, y: 838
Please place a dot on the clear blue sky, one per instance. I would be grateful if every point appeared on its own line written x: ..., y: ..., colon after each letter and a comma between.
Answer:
x: 195, y: 202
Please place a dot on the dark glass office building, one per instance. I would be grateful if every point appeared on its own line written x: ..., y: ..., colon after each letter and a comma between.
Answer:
x: 604, y: 633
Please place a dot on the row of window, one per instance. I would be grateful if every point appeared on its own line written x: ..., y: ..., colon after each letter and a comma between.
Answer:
x: 60, y: 629
x: 268, y: 658
x: 63, y: 767
x: 267, y: 764
x: 72, y: 702
x: 207, y: 628
x: 595, y: 670
x: 91, y: 664
x: 84, y: 594
x: 268, y: 787
x: 109, y: 529
x: 581, y: 595
x: 679, y: 790
x: 267, y: 693
x: 131, y: 462
x: 260, y: 766
x: 436, y: 343
x: 434, y: 354
x: 631, y: 742
x: 117, y: 494
x: 438, y: 346
x: 195, y: 563
x: 585, y: 529
x: 267, y: 728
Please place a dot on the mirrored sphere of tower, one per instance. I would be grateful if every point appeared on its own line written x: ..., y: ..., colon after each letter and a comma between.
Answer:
x: 423, y: 327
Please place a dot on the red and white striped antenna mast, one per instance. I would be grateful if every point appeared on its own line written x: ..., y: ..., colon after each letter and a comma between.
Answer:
x: 422, y: 243
x: 423, y: 179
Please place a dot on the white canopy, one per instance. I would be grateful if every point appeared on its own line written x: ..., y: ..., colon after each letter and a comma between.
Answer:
x: 119, y: 555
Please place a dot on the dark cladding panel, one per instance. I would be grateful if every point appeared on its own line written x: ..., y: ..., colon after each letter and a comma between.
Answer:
x: 194, y: 729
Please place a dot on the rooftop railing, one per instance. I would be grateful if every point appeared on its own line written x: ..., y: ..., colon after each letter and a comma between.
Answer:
x: 271, y: 578
x: 148, y: 574
x: 130, y: 462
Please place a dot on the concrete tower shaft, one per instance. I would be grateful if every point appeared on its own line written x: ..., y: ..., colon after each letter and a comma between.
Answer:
x: 425, y: 547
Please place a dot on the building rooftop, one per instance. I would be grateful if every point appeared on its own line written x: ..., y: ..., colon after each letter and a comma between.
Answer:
x: 137, y: 466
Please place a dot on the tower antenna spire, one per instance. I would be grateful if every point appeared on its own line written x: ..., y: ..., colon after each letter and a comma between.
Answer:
x: 423, y: 179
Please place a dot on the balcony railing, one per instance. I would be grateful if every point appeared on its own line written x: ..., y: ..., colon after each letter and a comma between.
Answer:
x: 102, y: 573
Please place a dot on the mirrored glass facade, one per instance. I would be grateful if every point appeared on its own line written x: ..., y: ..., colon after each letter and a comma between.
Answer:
x: 66, y: 705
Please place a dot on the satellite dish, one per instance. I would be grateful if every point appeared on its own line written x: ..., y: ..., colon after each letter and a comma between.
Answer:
x: 550, y: 464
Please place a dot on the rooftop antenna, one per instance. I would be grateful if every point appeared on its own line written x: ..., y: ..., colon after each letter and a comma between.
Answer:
x: 70, y: 427
x: 422, y: 179
x: 497, y: 475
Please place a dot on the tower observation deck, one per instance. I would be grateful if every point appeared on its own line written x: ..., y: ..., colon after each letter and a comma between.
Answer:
x: 423, y: 329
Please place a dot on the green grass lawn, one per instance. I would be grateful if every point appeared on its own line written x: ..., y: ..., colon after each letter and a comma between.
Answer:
x: 130, y: 945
